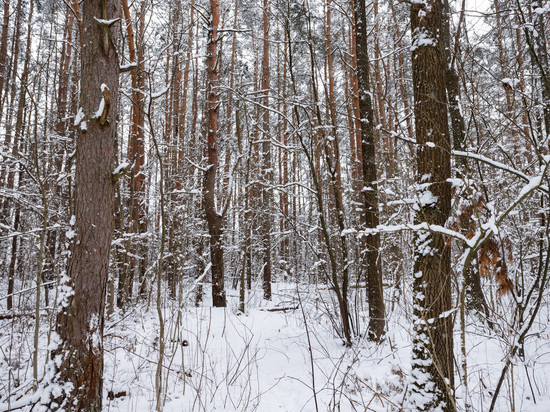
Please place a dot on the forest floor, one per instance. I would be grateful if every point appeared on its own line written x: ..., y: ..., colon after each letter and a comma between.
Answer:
x: 261, y: 360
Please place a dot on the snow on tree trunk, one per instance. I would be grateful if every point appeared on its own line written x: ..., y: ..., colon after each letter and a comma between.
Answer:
x: 431, y: 386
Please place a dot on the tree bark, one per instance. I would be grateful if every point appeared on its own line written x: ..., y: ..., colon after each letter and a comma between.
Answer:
x: 266, y: 171
x: 432, y: 361
x: 80, y: 322
x: 214, y: 219
x: 370, y: 243
x: 136, y: 152
x: 4, y: 50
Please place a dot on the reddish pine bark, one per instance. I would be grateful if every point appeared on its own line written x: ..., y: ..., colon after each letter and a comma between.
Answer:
x: 214, y: 219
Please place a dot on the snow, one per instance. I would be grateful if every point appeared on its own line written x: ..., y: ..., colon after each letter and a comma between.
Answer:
x: 257, y: 361
x: 128, y: 66
x: 79, y: 116
x: 106, y: 22
x: 422, y: 38
x: 260, y: 361
x: 79, y: 120
x: 120, y: 168
x: 533, y: 184
x: 100, y: 109
x: 501, y: 166
x: 156, y: 95
x: 544, y: 9
x: 511, y: 82
x: 427, y: 198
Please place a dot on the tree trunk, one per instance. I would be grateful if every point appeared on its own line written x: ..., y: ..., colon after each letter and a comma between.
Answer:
x: 432, y: 361
x: 80, y: 323
x: 4, y: 51
x: 214, y: 219
x: 370, y: 243
x: 266, y: 171
x: 11, y: 86
x: 136, y: 152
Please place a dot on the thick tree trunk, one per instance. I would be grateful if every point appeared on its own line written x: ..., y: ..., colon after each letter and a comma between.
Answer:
x: 80, y: 323
x: 432, y: 375
x: 370, y: 243
x: 214, y: 219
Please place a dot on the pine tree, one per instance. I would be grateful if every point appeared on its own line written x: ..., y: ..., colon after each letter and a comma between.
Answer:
x: 81, y: 320
x: 432, y: 364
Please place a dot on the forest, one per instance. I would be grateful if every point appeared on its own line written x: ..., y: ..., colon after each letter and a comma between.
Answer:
x: 291, y: 205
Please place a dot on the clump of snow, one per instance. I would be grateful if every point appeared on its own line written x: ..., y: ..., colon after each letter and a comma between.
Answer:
x: 65, y: 291
x: 100, y: 109
x: 427, y: 198
x: 79, y: 116
x: 510, y: 82
x: 422, y: 38
x: 120, y: 168
x: 128, y: 66
x: 70, y: 234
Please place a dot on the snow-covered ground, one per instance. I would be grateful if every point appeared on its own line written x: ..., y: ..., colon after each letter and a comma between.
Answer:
x: 261, y: 360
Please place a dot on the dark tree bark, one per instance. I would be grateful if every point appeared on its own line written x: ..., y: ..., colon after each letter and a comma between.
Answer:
x: 214, y: 219
x: 370, y: 243
x: 432, y: 364
x: 267, y: 173
x: 80, y: 323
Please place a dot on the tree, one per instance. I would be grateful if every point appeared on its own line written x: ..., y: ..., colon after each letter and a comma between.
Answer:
x: 266, y: 170
x: 136, y: 155
x: 80, y: 321
x: 4, y: 50
x: 214, y: 219
x: 371, y: 242
x: 432, y: 362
